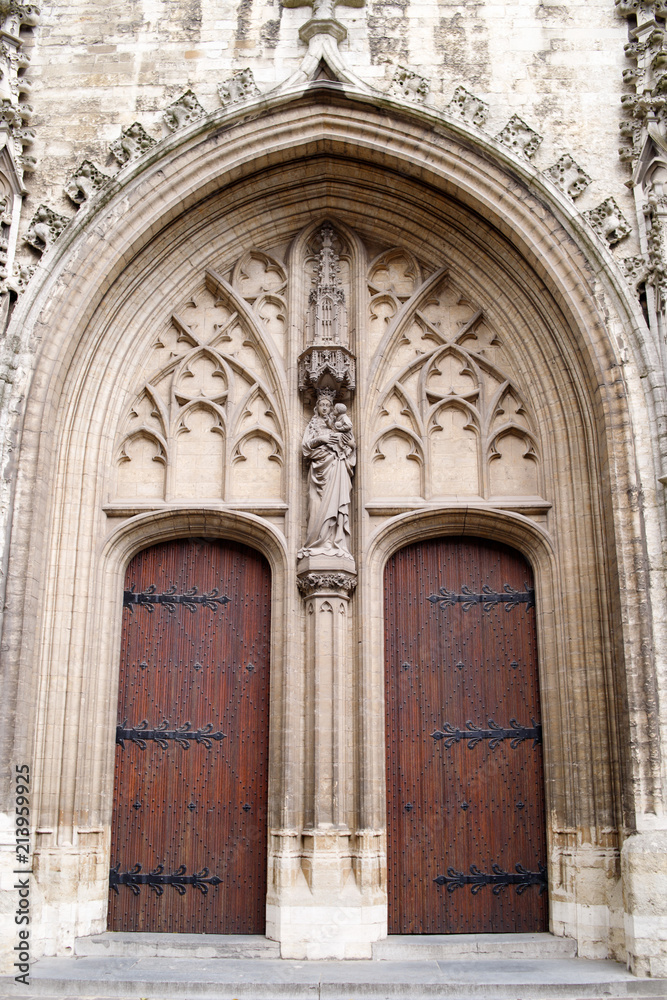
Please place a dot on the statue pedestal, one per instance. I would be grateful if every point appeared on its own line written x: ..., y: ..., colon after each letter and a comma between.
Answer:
x: 326, y: 565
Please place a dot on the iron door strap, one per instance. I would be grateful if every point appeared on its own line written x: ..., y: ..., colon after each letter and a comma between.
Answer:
x: 156, y: 879
x: 488, y: 598
x: 162, y: 734
x: 169, y: 599
x: 521, y: 879
x: 516, y: 733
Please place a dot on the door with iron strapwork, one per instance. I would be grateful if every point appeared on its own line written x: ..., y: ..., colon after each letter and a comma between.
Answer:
x: 465, y: 788
x: 188, y: 844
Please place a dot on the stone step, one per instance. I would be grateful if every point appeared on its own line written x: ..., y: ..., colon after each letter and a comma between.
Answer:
x: 270, y: 979
x: 457, y: 947
x: 116, y: 944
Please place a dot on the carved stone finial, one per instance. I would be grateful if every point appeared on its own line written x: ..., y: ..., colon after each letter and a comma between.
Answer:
x: 608, y: 222
x: 327, y: 362
x: 85, y: 183
x: 131, y: 143
x: 323, y: 9
x: 182, y: 112
x: 239, y: 87
x: 45, y: 228
x: 327, y: 300
x: 323, y: 22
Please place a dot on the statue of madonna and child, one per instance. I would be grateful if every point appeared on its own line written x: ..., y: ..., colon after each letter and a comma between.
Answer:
x: 331, y: 452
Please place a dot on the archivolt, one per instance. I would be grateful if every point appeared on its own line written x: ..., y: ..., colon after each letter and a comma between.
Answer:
x: 400, y: 179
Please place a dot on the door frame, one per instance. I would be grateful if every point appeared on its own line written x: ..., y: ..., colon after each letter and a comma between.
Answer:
x: 120, y: 547
x: 399, y: 907
x: 139, y: 629
x: 531, y: 541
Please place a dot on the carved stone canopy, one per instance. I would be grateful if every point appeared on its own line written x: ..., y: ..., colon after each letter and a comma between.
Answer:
x: 327, y: 368
x: 327, y: 362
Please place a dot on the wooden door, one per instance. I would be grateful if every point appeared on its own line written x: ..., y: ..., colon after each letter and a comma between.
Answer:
x: 189, y: 838
x: 465, y: 791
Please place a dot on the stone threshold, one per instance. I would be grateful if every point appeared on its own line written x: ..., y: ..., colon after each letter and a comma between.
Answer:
x: 398, y: 947
x: 270, y: 979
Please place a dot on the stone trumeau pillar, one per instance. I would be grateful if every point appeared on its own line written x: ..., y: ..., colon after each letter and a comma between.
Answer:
x: 324, y: 912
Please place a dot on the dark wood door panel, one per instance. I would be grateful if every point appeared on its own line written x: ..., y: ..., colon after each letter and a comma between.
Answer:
x: 190, y: 789
x: 465, y: 793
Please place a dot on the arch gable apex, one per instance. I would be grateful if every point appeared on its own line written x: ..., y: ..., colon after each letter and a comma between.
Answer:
x: 345, y: 123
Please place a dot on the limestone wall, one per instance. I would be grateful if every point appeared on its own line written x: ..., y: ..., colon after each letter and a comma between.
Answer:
x: 97, y: 67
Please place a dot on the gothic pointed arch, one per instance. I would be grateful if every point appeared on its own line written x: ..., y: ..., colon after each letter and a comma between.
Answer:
x: 497, y: 325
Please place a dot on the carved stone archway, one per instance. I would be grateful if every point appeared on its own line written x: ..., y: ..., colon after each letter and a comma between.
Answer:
x: 429, y: 213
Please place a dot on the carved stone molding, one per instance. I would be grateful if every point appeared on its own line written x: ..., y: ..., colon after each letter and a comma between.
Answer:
x: 182, y: 112
x: 315, y: 583
x: 409, y: 85
x: 45, y: 228
x: 646, y: 107
x: 655, y: 220
x: 569, y: 176
x: 237, y: 88
x: 465, y: 105
x: 608, y: 222
x: 85, y: 183
x: 15, y: 136
x: 131, y: 143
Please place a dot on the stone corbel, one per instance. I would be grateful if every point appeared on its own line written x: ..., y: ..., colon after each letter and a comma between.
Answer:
x: 310, y: 584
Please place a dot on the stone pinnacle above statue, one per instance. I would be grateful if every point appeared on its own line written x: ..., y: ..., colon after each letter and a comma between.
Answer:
x: 322, y: 32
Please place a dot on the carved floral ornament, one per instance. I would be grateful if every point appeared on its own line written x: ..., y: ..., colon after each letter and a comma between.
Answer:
x: 15, y: 138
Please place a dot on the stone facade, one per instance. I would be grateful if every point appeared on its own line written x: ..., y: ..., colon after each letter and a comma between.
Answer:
x: 500, y: 349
